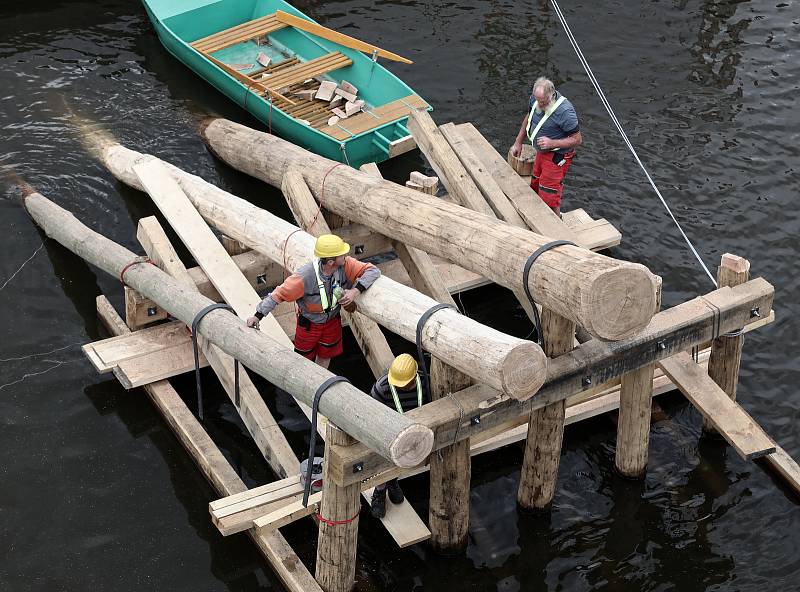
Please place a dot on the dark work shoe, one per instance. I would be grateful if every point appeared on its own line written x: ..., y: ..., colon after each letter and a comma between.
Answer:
x: 395, y: 493
x: 379, y: 503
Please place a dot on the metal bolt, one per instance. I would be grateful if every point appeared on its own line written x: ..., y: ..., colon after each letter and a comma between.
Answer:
x: 261, y: 279
x: 587, y: 381
x: 662, y: 345
x: 359, y: 249
x: 476, y: 420
x: 152, y: 311
x: 358, y: 467
x: 755, y: 313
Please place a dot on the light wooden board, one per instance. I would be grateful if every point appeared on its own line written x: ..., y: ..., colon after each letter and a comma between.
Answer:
x: 377, y: 117
x: 238, y: 34
x: 204, y: 246
x: 108, y: 353
x: 730, y: 420
x: 158, y: 365
x: 785, y: 466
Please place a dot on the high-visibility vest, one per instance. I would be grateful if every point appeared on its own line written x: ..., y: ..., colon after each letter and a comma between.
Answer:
x: 323, y: 295
x: 396, y: 397
x: 549, y: 111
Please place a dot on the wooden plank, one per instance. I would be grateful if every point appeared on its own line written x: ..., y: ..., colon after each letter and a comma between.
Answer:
x: 375, y: 118
x: 204, y: 246
x: 255, y: 414
x: 340, y: 38
x: 105, y: 354
x: 215, y: 467
x: 401, y: 146
x: 157, y: 365
x: 240, y: 33
x: 248, y: 82
x: 251, y: 495
x: 302, y: 72
x: 730, y: 420
x: 785, y: 466
x: 537, y: 215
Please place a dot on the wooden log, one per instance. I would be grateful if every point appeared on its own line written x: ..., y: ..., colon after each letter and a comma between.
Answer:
x: 366, y: 331
x: 611, y: 299
x: 255, y: 414
x: 479, y: 408
x: 512, y: 365
x: 726, y: 352
x: 392, y: 435
x: 336, y: 545
x: 633, y: 428
x: 491, y: 191
x: 537, y: 483
x: 215, y: 467
x: 728, y: 418
x: 537, y: 215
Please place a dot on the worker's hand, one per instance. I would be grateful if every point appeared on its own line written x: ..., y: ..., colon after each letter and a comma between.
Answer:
x: 349, y: 296
x: 252, y: 322
x: 516, y: 149
x: 545, y: 143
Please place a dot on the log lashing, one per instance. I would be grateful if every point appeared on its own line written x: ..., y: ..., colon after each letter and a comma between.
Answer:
x: 392, y: 435
x: 480, y: 408
x: 611, y: 299
x: 514, y: 366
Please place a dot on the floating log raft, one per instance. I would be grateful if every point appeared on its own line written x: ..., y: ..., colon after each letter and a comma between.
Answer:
x: 610, y: 298
x: 509, y: 364
x: 392, y: 435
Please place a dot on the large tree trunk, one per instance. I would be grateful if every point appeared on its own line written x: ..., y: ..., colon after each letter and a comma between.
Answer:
x: 611, y: 299
x: 390, y: 434
x: 509, y: 364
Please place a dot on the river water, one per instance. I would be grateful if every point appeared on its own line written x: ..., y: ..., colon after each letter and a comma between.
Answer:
x: 96, y: 493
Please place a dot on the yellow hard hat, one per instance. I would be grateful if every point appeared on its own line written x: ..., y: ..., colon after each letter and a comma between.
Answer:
x: 330, y: 245
x: 403, y: 370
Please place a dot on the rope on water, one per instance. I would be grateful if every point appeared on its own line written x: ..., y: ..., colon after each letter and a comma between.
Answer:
x: 617, y: 124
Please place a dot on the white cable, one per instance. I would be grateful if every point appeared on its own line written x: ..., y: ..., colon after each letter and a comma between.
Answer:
x: 13, y: 275
x: 607, y: 105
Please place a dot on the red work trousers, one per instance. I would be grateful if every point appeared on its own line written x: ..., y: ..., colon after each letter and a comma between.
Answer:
x: 548, y: 177
x: 319, y: 339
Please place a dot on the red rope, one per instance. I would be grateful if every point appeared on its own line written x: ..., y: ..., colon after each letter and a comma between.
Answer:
x: 322, y: 194
x: 337, y: 522
x: 131, y: 264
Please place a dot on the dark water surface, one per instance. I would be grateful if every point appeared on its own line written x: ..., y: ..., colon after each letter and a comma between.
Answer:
x: 96, y: 493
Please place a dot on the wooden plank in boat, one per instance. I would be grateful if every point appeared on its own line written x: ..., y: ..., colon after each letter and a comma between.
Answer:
x: 376, y: 117
x: 240, y: 33
x: 302, y: 72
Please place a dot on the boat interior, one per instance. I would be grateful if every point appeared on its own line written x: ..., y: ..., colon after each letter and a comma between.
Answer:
x: 297, y: 61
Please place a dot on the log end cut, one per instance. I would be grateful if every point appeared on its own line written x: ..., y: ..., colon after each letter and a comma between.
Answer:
x: 411, y: 446
x: 619, y: 302
x: 523, y: 371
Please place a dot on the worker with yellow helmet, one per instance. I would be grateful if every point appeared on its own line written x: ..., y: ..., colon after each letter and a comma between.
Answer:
x: 402, y: 389
x: 320, y: 288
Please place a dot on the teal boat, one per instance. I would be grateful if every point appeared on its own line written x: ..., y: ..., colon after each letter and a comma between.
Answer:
x: 263, y: 54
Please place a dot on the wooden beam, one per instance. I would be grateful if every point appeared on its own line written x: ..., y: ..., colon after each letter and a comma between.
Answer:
x: 340, y: 38
x: 729, y: 419
x: 592, y: 363
x: 391, y: 434
x: 633, y: 428
x: 215, y: 467
x: 252, y: 409
x: 537, y: 215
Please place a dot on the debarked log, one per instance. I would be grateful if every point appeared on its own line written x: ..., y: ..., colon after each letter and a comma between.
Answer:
x: 390, y: 434
x: 514, y: 366
x: 612, y: 299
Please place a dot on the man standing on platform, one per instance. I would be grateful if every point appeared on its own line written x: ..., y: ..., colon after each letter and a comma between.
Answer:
x: 320, y: 288
x: 552, y: 127
x: 402, y: 390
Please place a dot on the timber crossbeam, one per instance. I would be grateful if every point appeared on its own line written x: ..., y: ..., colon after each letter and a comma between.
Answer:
x: 478, y: 408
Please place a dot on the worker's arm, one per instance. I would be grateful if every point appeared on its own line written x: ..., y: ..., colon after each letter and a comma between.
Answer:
x: 290, y: 290
x: 516, y: 149
x: 569, y: 142
x: 361, y: 275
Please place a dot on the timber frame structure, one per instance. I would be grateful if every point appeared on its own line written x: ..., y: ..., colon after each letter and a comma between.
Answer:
x: 489, y: 389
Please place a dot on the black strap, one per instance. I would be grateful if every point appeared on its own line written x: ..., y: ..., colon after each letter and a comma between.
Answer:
x: 526, y: 273
x: 197, y: 318
x: 313, y: 436
x: 420, y: 352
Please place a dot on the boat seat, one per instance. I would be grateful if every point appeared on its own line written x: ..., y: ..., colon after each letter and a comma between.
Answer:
x: 365, y: 121
x: 238, y: 34
x: 305, y: 70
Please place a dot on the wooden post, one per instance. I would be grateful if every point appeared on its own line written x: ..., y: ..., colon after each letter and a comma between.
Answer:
x: 633, y: 429
x: 336, y: 544
x: 726, y: 352
x: 537, y: 483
